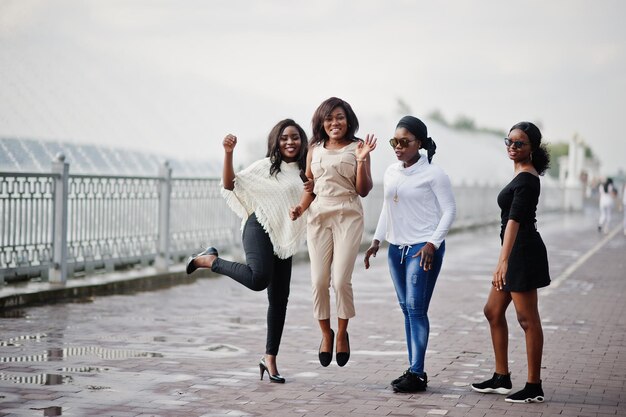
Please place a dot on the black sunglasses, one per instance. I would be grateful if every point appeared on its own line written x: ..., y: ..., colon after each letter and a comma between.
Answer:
x: 517, y: 144
x: 404, y: 143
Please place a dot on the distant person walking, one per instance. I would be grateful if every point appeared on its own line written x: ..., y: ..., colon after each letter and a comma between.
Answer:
x: 339, y: 164
x: 261, y: 195
x: 522, y: 266
x: 418, y: 211
x: 608, y: 193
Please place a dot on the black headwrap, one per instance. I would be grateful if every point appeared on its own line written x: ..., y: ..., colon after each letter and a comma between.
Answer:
x: 419, y: 130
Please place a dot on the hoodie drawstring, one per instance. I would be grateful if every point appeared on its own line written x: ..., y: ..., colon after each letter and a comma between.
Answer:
x: 404, y: 253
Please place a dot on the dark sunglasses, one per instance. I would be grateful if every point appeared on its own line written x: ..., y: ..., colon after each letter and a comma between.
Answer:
x: 404, y: 143
x: 517, y: 144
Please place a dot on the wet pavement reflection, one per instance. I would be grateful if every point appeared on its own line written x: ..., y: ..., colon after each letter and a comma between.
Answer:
x: 194, y: 349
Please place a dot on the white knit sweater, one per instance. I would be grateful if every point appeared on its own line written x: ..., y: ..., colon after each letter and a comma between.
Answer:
x: 270, y: 198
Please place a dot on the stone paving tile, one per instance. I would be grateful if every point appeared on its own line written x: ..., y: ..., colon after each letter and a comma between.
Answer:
x: 193, y: 350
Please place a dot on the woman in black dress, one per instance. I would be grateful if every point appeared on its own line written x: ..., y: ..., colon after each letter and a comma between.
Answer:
x: 522, y: 266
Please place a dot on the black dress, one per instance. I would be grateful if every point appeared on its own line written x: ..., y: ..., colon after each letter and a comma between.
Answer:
x: 528, y: 261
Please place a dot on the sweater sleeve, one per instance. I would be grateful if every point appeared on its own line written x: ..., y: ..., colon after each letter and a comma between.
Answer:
x: 381, y: 228
x: 240, y: 199
x: 442, y: 188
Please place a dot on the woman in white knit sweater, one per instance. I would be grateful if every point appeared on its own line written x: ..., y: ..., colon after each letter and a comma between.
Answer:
x: 261, y: 195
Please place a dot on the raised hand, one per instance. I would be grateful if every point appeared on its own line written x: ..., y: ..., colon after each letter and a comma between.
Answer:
x: 365, y: 147
x: 229, y: 143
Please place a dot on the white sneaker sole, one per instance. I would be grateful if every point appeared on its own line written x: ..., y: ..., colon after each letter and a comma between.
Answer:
x: 502, y: 391
x: 537, y: 399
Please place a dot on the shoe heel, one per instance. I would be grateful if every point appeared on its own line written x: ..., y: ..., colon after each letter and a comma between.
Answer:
x: 273, y: 378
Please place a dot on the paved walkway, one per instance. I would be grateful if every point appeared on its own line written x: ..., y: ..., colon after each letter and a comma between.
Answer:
x: 193, y: 349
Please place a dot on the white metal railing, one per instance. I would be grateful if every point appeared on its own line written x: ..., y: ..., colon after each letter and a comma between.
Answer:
x: 57, y: 226
x: 54, y: 226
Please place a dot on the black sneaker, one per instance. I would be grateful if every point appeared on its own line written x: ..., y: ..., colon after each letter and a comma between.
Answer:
x: 498, y: 384
x: 401, y: 377
x: 411, y: 383
x: 532, y: 393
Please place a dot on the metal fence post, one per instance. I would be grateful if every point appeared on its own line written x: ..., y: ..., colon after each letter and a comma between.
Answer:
x: 58, y: 269
x: 162, y: 260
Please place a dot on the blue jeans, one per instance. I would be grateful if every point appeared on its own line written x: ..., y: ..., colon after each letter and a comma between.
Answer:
x: 414, y: 288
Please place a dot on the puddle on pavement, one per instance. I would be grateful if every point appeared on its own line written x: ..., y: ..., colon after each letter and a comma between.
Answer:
x: 97, y: 388
x: 50, y: 411
x: 83, y: 369
x: 15, y: 341
x: 224, y: 350
x: 39, y: 379
x: 58, y: 354
x: 13, y: 314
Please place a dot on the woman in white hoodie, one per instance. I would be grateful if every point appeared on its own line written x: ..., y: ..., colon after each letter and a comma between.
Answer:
x: 418, y: 211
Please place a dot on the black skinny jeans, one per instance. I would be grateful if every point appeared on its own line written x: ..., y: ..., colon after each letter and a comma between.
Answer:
x: 263, y: 270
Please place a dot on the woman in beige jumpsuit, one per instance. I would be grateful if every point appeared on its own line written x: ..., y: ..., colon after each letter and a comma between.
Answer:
x: 339, y: 164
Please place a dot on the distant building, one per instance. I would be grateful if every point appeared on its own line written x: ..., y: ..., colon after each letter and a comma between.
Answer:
x: 31, y: 155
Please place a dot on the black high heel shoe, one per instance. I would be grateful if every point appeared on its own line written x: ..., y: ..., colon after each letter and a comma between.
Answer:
x: 273, y: 378
x: 343, y: 357
x: 326, y: 357
x: 190, y: 262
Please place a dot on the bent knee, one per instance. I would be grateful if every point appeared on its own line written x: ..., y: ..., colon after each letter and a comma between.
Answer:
x: 344, y: 287
x: 494, y: 315
x: 260, y: 282
x: 320, y: 286
x: 528, y: 322
x: 416, y: 312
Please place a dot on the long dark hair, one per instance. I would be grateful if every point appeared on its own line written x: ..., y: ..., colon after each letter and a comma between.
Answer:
x: 539, y: 155
x: 609, y: 181
x: 273, y: 145
x: 326, y: 108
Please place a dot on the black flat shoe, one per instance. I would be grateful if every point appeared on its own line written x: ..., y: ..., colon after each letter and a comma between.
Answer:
x: 344, y: 357
x: 326, y: 357
x: 273, y: 378
x: 190, y: 262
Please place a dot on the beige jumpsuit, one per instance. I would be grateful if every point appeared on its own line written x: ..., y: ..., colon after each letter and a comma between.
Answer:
x: 334, y: 229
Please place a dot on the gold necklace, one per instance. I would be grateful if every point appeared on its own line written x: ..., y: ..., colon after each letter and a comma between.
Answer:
x: 398, y: 184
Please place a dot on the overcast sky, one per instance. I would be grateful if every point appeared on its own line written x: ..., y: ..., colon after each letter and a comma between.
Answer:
x: 175, y: 76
